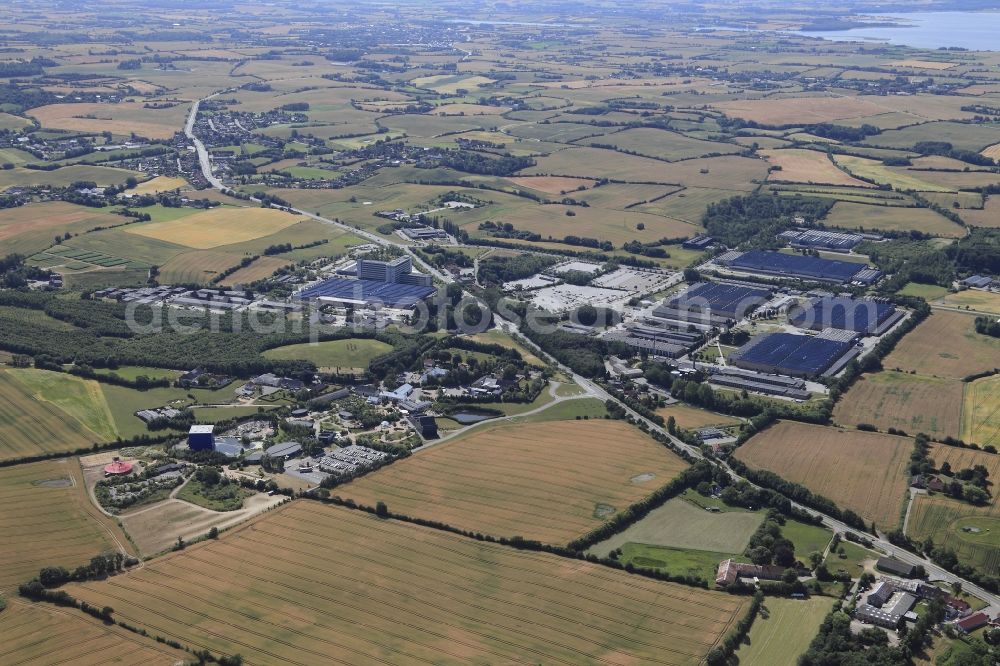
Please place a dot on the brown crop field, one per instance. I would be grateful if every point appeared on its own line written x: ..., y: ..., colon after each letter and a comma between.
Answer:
x: 960, y: 458
x: 865, y: 472
x: 911, y: 403
x: 688, y: 417
x: 332, y: 585
x: 218, y: 226
x: 159, y: 184
x: 804, y: 110
x: 552, y: 184
x: 54, y: 524
x: 981, y: 412
x: 989, y: 216
x: 45, y: 635
x: 945, y: 345
x: 30, y: 229
x: 547, y: 481
x: 122, y: 119
x: 850, y: 215
x: 808, y: 166
x: 198, y: 266
x: 258, y: 270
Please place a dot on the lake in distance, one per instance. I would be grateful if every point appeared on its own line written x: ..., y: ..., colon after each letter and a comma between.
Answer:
x: 976, y: 31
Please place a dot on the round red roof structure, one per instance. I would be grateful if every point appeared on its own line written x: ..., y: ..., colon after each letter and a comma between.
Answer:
x: 118, y: 467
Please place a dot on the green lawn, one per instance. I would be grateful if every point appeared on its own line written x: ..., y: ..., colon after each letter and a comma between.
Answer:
x: 928, y: 292
x: 807, y: 538
x: 568, y: 410
x: 676, y: 561
x: 333, y: 354
x: 227, y: 497
x: 783, y: 630
x: 850, y: 560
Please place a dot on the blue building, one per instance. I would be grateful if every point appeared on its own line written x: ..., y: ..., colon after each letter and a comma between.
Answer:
x: 201, y: 437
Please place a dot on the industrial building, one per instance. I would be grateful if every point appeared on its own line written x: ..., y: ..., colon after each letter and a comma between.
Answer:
x: 284, y: 450
x: 397, y: 271
x: 821, y: 240
x: 792, y: 355
x: 799, y: 266
x: 866, y: 317
x: 786, y: 387
x: 699, y: 242
x: 366, y: 293
x: 712, y: 303
x: 201, y: 437
x: 424, y: 233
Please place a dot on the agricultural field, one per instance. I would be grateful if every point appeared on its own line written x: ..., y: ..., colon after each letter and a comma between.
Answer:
x: 46, y: 412
x: 159, y: 184
x: 973, y: 533
x: 865, y: 472
x: 851, y: 215
x: 907, y: 402
x: 64, y: 176
x: 495, y: 336
x: 217, y: 226
x: 692, y: 418
x: 899, y: 180
x: 681, y: 523
x: 988, y: 217
x: 783, y: 630
x: 54, y: 524
x: 661, y: 144
x: 973, y: 300
x: 808, y: 166
x: 981, y: 412
x: 45, y: 635
x: 30, y: 229
x: 472, y: 598
x: 335, y: 354
x: 122, y: 119
x: 944, y: 345
x: 551, y: 481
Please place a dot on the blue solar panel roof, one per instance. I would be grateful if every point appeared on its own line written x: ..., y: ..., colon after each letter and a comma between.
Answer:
x: 390, y: 294
x: 787, y: 353
x: 796, y: 265
x: 723, y: 299
x: 847, y: 314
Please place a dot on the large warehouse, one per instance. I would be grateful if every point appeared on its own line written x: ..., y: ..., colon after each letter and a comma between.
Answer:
x: 799, y: 266
x: 366, y: 293
x: 708, y: 304
x: 791, y: 354
x: 847, y: 314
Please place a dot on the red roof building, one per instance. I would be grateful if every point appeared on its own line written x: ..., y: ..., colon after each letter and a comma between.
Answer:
x: 118, y: 468
x: 973, y: 622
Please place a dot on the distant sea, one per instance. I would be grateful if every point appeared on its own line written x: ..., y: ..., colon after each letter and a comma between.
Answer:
x: 976, y: 31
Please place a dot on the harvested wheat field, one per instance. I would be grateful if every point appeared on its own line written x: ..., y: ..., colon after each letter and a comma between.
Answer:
x: 981, y: 412
x: 552, y: 184
x: 219, y: 226
x: 865, y: 472
x: 122, y: 119
x: 29, y: 229
x: 45, y: 635
x: 310, y: 583
x: 945, y: 345
x: 55, y: 523
x: 911, y: 403
x: 807, y: 166
x: 159, y: 184
x: 960, y: 458
x: 801, y: 110
x: 547, y: 481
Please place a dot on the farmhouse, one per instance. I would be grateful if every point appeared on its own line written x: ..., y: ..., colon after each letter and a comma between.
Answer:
x: 972, y: 622
x: 729, y: 571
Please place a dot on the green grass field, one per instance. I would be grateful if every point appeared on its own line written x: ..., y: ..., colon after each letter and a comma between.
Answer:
x: 676, y: 561
x: 807, y: 538
x: 927, y: 292
x: 783, y: 630
x: 79, y: 399
x: 981, y: 411
x: 970, y: 531
x: 357, y: 353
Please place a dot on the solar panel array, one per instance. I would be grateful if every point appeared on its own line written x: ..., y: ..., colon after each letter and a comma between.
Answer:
x: 388, y: 294
x: 796, y: 265
x: 862, y: 316
x: 789, y: 354
x: 729, y: 300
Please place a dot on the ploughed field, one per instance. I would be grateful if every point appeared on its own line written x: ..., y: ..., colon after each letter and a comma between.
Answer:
x: 552, y: 482
x: 311, y: 583
x: 865, y: 472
